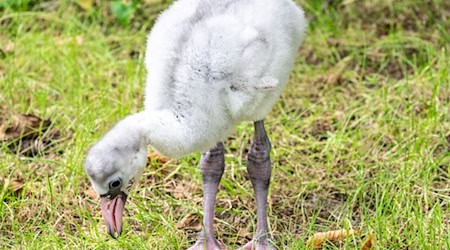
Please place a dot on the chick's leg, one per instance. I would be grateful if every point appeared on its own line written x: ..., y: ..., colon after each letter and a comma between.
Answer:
x: 212, y: 165
x: 259, y: 170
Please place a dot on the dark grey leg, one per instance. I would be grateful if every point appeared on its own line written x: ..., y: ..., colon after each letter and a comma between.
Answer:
x: 212, y: 165
x: 259, y: 170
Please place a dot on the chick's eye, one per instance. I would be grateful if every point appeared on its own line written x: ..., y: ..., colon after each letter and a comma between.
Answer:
x: 115, y: 184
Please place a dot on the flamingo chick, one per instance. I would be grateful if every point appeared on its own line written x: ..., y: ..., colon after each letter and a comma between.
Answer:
x: 211, y: 65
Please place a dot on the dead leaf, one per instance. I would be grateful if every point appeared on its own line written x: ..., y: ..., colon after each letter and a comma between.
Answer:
x: 180, y: 189
x: 27, y: 134
x: 336, y: 235
x: 16, y: 186
x: 23, y: 126
x: 368, y: 243
x: 245, y: 233
x: 13, y: 186
x: 190, y: 222
x: 86, y: 4
x: 157, y: 157
x: 335, y: 73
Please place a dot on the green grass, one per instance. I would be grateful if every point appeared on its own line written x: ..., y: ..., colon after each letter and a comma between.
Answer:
x: 361, y: 136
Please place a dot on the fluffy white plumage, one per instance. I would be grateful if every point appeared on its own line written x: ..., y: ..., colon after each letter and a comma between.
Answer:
x: 211, y: 64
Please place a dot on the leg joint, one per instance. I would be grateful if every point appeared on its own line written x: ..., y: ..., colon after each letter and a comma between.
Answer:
x: 212, y: 164
x: 259, y: 152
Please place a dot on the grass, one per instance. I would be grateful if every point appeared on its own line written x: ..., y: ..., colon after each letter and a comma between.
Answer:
x: 361, y: 136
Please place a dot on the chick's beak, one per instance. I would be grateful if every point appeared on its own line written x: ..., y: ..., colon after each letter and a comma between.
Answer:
x: 112, y: 211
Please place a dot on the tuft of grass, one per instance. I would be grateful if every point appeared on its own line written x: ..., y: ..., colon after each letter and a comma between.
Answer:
x: 361, y: 136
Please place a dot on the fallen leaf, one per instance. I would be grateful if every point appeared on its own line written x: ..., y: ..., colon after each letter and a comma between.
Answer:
x: 190, y: 221
x: 336, y: 235
x: 368, y: 243
x: 13, y: 186
x: 179, y: 189
x: 16, y: 186
x: 27, y: 134
x: 23, y: 126
x: 245, y: 233
x: 157, y: 157
x: 335, y: 73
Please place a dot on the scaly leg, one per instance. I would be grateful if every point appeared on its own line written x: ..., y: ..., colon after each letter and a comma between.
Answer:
x: 259, y: 170
x: 212, y: 165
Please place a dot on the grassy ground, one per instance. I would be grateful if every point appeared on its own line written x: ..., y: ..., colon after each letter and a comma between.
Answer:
x: 361, y: 136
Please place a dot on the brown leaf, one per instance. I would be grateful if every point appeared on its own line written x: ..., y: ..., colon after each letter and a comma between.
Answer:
x: 335, y: 73
x: 190, y: 221
x: 23, y: 126
x: 336, y: 235
x: 368, y: 243
x: 157, y: 157
x: 245, y: 233
x: 14, y: 186
x: 27, y: 134
x: 180, y: 189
